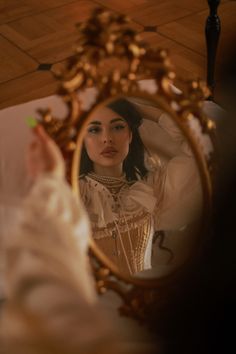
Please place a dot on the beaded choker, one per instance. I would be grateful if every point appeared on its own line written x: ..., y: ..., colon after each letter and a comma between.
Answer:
x: 113, y: 184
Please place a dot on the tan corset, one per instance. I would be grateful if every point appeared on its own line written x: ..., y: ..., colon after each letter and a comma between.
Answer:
x: 125, y: 242
x: 121, y: 226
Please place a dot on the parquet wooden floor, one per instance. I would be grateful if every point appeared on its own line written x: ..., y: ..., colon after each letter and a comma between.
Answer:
x: 33, y: 33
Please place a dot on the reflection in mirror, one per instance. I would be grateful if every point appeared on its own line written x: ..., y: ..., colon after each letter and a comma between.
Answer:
x: 140, y: 184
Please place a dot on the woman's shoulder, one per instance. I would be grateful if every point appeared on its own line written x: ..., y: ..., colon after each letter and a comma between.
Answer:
x: 83, y: 185
x: 88, y: 184
x: 82, y: 178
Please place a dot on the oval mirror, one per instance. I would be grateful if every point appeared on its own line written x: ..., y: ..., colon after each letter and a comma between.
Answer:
x: 143, y: 182
x: 139, y: 154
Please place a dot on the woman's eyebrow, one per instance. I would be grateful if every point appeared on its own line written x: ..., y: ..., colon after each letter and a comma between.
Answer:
x: 117, y: 119
x: 96, y: 122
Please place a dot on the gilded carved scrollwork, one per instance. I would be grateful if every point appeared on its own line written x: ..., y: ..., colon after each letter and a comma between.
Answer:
x: 111, y: 57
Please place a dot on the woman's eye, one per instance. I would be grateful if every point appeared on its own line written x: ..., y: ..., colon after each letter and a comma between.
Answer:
x: 119, y: 127
x: 94, y: 130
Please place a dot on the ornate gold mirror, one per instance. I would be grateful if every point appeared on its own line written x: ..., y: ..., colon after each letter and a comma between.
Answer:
x: 139, y: 179
x: 140, y: 155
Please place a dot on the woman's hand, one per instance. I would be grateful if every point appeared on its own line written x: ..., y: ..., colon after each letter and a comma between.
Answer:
x: 44, y: 156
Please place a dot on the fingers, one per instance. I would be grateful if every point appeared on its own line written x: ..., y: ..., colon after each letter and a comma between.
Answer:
x: 44, y: 144
x: 47, y: 144
x: 41, y: 134
x: 45, y: 155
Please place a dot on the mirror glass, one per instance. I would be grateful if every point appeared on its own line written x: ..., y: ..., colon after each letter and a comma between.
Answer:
x: 141, y: 186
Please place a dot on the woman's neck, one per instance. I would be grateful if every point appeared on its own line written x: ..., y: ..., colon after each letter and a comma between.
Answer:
x: 114, y: 171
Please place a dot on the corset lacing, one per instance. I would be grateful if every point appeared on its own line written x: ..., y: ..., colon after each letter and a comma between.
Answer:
x: 114, y: 185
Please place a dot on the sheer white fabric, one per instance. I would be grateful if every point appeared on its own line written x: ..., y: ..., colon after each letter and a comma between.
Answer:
x: 49, y: 290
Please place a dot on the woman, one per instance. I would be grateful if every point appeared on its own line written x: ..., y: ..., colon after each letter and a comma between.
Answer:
x: 127, y: 202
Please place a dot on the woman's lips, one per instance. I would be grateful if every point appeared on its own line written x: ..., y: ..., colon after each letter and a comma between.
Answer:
x: 109, y: 152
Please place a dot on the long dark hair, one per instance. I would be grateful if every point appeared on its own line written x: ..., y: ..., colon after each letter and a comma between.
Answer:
x: 133, y: 166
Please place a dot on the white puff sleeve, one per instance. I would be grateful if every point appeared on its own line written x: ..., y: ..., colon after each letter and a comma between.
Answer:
x: 176, y: 184
x: 50, y: 296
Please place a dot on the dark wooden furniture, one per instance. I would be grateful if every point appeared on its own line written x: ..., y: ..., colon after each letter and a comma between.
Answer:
x: 212, y: 32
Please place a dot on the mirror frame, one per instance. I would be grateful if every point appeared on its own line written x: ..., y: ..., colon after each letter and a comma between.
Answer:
x: 202, y: 168
x: 105, y: 36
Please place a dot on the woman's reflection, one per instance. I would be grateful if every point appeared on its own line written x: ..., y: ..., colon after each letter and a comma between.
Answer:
x: 124, y: 200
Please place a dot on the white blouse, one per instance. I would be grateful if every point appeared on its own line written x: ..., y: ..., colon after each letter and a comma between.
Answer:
x: 123, y: 222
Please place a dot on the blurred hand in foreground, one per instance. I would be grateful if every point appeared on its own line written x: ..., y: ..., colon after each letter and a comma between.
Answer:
x: 44, y: 156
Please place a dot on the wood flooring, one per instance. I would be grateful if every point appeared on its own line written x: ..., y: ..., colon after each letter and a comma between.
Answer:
x: 37, y: 36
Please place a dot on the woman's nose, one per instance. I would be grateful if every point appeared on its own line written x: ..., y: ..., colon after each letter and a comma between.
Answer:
x: 107, y: 138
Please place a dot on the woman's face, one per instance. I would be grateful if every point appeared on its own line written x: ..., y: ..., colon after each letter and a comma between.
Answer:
x: 107, y: 138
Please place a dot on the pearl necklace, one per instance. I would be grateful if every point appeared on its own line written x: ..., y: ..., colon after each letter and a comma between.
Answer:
x: 113, y: 184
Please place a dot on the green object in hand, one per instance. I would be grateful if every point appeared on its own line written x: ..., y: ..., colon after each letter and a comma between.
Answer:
x: 31, y: 122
